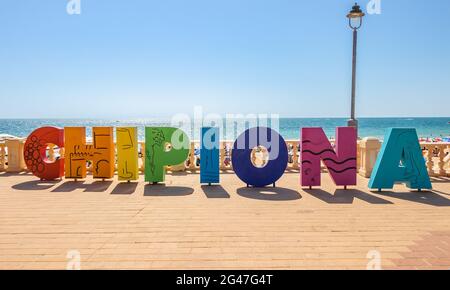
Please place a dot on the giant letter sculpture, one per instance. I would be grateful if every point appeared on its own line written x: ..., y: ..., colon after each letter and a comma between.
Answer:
x: 341, y: 163
x: 209, y: 155
x: 100, y: 153
x: 400, y: 160
x: 163, y: 146
x: 127, y: 153
x: 241, y: 156
x: 35, y: 153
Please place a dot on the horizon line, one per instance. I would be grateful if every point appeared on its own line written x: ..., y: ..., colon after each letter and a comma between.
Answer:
x: 165, y: 117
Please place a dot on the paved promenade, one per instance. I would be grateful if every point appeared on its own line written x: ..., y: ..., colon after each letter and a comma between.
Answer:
x: 185, y: 226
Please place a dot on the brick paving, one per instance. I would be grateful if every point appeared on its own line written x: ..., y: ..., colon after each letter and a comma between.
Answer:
x: 186, y: 226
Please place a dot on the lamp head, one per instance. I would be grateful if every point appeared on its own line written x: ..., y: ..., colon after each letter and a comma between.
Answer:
x: 355, y: 17
x: 356, y: 12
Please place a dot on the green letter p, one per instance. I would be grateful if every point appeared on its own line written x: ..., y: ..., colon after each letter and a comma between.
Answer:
x: 164, y: 146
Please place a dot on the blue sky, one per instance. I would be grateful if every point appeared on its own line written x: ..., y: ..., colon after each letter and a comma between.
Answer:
x: 145, y: 58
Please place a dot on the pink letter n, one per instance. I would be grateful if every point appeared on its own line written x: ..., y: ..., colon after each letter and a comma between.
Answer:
x: 341, y: 163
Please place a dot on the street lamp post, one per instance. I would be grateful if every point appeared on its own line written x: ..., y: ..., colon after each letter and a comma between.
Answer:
x: 355, y: 18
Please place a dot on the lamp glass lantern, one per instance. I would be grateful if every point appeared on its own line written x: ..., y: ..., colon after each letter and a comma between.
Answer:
x: 355, y: 17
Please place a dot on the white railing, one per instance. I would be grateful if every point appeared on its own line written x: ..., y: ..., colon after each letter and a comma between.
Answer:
x: 11, y: 156
x: 437, y: 156
x: 2, y: 156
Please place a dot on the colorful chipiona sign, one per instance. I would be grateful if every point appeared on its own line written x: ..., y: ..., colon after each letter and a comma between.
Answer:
x: 400, y: 159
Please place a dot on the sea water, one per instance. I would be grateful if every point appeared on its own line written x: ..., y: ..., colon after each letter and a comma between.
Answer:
x: 288, y: 127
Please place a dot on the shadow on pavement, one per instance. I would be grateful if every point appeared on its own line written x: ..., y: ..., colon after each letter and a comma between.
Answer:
x: 125, y: 188
x: 97, y: 186
x: 163, y: 190
x: 424, y: 197
x: 215, y: 191
x: 348, y: 196
x: 35, y: 185
x: 269, y: 193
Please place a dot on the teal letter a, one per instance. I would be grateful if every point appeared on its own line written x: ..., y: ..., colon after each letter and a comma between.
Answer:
x: 400, y: 161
